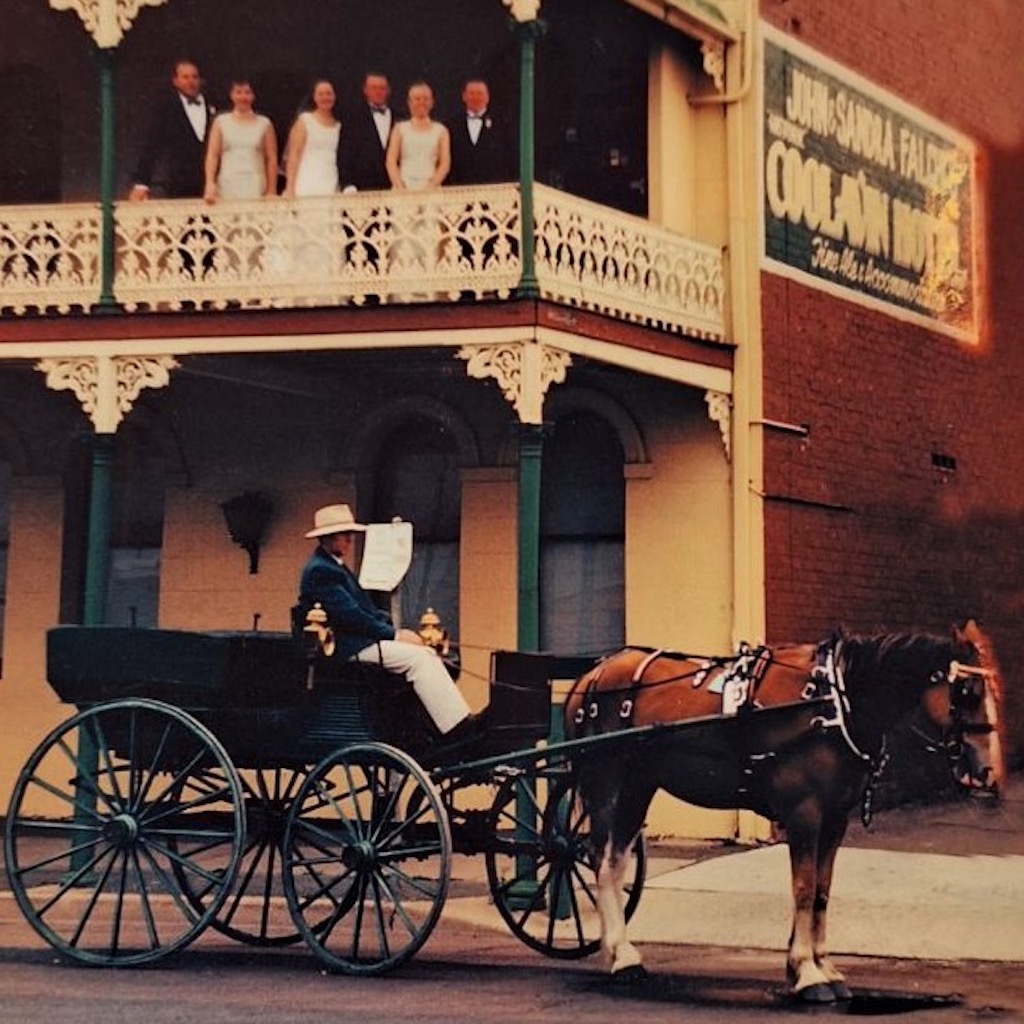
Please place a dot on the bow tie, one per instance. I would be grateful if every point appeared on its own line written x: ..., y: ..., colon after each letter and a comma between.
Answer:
x: 474, y: 117
x: 194, y: 102
x: 379, y: 110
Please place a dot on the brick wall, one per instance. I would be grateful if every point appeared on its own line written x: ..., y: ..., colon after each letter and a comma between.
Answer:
x: 867, y: 522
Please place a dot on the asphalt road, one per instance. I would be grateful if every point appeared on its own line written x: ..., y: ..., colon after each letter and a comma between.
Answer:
x: 467, y: 975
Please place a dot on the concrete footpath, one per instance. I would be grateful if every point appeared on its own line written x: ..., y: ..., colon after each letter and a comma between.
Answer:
x: 939, y: 882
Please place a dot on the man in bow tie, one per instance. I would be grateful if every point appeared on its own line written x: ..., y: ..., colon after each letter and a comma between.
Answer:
x: 174, y: 150
x: 364, y: 137
x: 481, y: 152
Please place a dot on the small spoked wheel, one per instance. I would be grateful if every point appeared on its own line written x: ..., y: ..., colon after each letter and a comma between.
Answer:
x: 541, y: 870
x: 367, y: 857
x: 111, y: 812
x: 256, y: 911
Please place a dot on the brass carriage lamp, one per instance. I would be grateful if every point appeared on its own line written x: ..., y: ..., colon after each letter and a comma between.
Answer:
x: 433, y: 633
x: 247, y: 516
x: 523, y: 10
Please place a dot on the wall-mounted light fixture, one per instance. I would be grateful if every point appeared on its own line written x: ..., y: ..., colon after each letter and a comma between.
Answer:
x: 247, y: 516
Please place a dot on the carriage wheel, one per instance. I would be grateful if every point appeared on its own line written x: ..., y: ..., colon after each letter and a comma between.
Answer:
x: 256, y: 912
x: 113, y: 808
x: 541, y: 869
x: 367, y: 857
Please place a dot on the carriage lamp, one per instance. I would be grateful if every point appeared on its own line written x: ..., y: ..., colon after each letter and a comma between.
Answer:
x: 523, y: 10
x: 433, y: 633
x: 247, y: 516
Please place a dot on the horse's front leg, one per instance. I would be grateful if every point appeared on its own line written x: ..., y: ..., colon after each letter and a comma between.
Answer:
x: 828, y: 846
x: 623, y: 956
x: 806, y: 979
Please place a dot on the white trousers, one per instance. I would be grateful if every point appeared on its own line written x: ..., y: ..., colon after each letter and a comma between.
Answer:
x: 422, y: 666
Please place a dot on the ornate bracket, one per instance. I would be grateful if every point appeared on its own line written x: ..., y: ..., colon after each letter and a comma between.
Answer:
x: 713, y: 52
x: 720, y: 411
x: 107, y: 386
x: 524, y: 372
x: 106, y: 20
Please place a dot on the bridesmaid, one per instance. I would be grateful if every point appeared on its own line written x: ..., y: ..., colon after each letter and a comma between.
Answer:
x: 241, y: 159
x: 419, y: 152
x: 311, y: 154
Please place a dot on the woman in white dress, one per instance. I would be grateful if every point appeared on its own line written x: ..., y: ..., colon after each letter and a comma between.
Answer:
x: 241, y: 157
x: 311, y: 156
x: 419, y: 158
x: 304, y: 244
x: 419, y: 152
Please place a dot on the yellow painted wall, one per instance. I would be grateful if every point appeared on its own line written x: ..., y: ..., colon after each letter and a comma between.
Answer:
x: 687, y: 170
x: 28, y: 707
x: 487, y: 576
x: 679, y: 568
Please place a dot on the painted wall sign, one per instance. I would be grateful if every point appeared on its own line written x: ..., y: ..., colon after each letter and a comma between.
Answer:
x: 865, y: 194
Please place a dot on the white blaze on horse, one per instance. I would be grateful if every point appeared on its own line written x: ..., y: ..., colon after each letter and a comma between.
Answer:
x: 801, y: 739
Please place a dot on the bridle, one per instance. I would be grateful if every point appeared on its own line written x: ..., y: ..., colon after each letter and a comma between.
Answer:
x: 966, y: 686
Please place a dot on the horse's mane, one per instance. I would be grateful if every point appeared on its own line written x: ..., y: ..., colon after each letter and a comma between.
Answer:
x: 895, y: 654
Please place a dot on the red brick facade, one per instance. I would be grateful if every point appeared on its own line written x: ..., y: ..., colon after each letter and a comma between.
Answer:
x: 905, y: 505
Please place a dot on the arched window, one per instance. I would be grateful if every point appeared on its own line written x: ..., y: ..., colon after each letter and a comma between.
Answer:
x: 418, y: 479
x: 582, y: 526
x: 137, y: 525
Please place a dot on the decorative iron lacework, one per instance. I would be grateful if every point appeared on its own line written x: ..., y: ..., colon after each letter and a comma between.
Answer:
x: 380, y: 247
x: 49, y: 257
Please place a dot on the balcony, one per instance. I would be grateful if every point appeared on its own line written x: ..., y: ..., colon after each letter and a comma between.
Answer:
x: 354, y: 250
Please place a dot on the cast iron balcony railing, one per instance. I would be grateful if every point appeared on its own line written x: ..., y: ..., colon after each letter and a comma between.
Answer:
x: 373, y: 247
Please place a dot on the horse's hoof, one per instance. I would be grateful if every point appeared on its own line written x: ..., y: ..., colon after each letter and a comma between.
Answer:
x: 635, y: 974
x: 816, y: 994
x: 841, y: 991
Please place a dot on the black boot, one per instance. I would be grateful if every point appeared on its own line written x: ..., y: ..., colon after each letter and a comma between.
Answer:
x: 460, y: 742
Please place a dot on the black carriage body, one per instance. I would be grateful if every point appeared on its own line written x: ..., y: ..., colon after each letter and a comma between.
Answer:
x: 256, y: 693
x: 250, y: 689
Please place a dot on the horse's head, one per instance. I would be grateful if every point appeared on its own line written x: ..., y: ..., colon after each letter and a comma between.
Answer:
x: 966, y: 704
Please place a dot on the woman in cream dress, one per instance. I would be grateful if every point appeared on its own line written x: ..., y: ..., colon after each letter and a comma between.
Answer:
x: 418, y: 159
x: 311, y: 169
x: 311, y: 160
x: 241, y: 157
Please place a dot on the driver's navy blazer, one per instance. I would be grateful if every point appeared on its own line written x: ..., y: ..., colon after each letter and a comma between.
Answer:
x: 356, y: 620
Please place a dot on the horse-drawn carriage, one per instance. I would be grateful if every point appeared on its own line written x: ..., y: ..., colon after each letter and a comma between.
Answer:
x: 236, y: 781
x: 243, y: 782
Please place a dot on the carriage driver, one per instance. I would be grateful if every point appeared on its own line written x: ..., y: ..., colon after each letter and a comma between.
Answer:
x: 364, y: 632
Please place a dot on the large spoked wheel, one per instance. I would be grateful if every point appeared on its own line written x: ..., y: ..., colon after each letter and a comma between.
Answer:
x: 111, y: 811
x: 541, y: 870
x: 256, y: 912
x: 367, y: 857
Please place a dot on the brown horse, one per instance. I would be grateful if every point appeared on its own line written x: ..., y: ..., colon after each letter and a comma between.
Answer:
x: 795, y: 733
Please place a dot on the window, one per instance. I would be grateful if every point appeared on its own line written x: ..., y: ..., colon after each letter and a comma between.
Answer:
x: 133, y: 594
x: 30, y: 136
x: 418, y: 479
x: 582, y: 554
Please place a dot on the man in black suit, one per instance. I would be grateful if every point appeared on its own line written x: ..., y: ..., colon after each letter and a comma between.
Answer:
x: 174, y: 149
x: 481, y: 155
x: 481, y: 152
x: 364, y: 138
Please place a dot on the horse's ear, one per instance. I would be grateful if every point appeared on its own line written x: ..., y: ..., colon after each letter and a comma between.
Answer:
x: 969, y: 633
